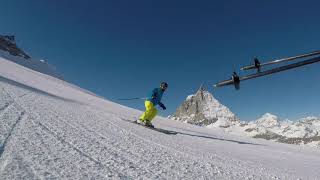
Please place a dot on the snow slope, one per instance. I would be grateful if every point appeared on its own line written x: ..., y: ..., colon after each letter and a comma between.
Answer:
x: 50, y: 129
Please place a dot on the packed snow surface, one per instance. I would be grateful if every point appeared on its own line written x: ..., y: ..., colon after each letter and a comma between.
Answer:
x: 50, y: 129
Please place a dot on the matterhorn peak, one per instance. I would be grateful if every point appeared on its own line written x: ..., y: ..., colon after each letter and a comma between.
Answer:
x: 203, y: 109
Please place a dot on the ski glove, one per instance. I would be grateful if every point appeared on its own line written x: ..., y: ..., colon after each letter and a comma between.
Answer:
x: 163, y: 107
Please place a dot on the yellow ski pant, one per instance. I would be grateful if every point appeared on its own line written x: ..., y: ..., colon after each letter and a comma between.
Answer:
x: 150, y: 112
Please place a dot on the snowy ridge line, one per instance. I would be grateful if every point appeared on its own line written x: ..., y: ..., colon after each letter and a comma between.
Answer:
x: 36, y: 90
x: 48, y: 77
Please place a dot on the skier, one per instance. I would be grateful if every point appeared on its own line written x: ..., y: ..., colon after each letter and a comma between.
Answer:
x: 150, y: 103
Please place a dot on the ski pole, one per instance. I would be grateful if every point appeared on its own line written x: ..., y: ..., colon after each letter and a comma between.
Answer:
x: 129, y: 99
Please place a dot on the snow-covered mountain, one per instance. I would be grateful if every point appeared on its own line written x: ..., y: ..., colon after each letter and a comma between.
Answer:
x: 51, y: 129
x: 268, y: 120
x: 302, y: 132
x: 10, y: 51
x: 204, y: 110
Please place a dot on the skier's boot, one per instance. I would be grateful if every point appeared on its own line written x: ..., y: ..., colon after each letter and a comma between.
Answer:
x: 140, y: 121
x: 149, y: 124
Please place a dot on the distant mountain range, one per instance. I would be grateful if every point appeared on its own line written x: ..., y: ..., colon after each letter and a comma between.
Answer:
x: 203, y: 109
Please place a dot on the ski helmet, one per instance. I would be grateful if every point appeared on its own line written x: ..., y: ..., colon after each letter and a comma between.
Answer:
x: 164, y: 85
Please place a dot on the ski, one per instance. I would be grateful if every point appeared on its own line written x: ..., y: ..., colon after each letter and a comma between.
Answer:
x: 270, y: 62
x: 157, y: 129
x: 267, y: 72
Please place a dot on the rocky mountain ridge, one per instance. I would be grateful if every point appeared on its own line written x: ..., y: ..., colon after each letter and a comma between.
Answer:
x: 7, y: 43
x: 203, y: 109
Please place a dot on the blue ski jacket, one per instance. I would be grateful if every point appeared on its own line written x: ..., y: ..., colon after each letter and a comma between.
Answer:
x: 155, y: 96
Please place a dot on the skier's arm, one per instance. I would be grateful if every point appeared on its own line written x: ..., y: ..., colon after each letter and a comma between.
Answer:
x: 154, y: 94
x: 162, y: 106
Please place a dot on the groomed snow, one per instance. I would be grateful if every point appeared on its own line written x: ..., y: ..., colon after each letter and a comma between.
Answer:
x: 50, y: 129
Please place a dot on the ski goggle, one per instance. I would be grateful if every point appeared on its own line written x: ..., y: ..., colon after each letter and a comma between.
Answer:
x: 164, y: 86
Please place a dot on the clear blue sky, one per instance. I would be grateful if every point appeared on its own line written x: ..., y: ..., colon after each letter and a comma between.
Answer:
x: 121, y: 49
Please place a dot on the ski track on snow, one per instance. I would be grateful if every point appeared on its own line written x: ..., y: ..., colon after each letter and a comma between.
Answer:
x: 5, y: 113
